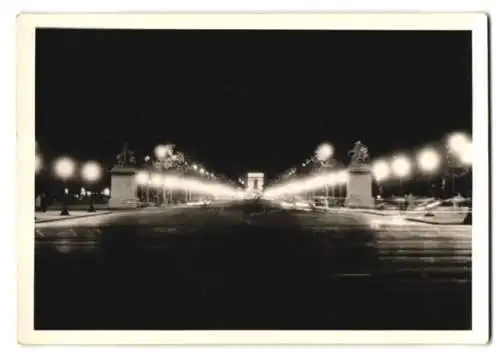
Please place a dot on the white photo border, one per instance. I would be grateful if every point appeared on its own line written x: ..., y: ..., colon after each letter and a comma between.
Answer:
x: 475, y: 22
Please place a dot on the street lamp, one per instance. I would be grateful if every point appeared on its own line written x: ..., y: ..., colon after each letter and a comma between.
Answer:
x: 38, y: 163
x: 381, y: 170
x: 161, y: 151
x: 91, y: 172
x: 401, y: 167
x: 458, y: 142
x: 38, y: 169
x: 466, y: 154
x: 460, y: 145
x: 428, y: 160
x: 64, y: 169
x: 324, y: 152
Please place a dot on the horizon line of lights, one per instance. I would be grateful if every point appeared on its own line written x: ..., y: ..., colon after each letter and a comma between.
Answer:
x: 401, y: 166
x: 177, y: 182
x: 161, y: 152
x: 66, y: 168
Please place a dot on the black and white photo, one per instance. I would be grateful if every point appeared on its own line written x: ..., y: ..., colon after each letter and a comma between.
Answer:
x: 259, y: 178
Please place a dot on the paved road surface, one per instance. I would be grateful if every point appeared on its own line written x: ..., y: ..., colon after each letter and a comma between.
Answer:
x: 250, y: 266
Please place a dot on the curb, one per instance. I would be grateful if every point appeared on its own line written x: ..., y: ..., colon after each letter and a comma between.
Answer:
x: 378, y: 214
x: 373, y: 212
x: 71, y: 217
x: 434, y: 223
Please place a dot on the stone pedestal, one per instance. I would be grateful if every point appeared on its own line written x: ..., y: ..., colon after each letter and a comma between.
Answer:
x: 123, y: 188
x: 359, y: 187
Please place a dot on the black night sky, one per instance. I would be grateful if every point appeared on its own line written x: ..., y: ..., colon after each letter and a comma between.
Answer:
x: 241, y: 101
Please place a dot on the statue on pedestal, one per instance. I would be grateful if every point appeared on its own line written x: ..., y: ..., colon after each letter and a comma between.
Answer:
x: 359, y: 154
x: 125, y: 158
x: 123, y: 184
x: 359, y: 184
x: 169, y: 149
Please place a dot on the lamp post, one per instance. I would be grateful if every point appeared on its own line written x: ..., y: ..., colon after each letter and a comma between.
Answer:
x: 401, y: 167
x: 381, y: 171
x: 38, y: 169
x: 323, y: 154
x: 91, y: 173
x: 64, y: 169
x: 428, y: 161
x: 459, y: 145
x: 38, y: 163
x: 161, y: 151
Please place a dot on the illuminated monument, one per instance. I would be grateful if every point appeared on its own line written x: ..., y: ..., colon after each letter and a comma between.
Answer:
x: 255, y: 182
x: 359, y: 183
x: 123, y: 184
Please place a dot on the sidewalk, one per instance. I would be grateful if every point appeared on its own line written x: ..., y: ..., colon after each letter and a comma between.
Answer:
x: 54, y: 215
x: 450, y: 218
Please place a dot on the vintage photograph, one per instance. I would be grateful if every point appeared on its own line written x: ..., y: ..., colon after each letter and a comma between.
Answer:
x: 253, y: 179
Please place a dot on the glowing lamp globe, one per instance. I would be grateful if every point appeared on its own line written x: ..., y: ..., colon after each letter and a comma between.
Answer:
x: 324, y: 152
x: 161, y: 151
x: 91, y: 172
x: 381, y: 170
x: 466, y: 154
x: 64, y: 168
x: 401, y: 166
x: 458, y: 142
x: 428, y: 160
x: 38, y: 163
